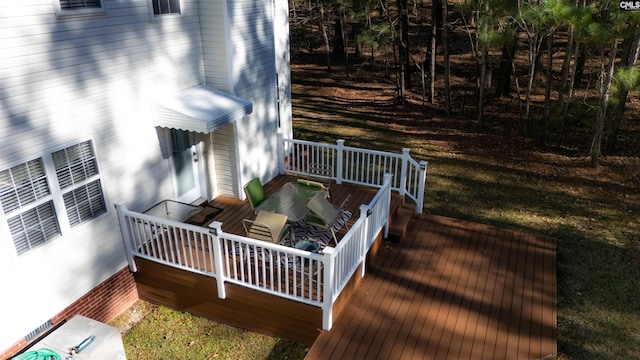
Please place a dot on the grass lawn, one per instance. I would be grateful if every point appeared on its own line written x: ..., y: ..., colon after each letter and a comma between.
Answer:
x: 156, y: 332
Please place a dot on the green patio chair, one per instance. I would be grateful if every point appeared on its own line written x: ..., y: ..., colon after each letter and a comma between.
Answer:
x: 255, y: 193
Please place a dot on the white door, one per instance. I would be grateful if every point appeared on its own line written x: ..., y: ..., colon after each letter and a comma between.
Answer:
x: 185, y: 154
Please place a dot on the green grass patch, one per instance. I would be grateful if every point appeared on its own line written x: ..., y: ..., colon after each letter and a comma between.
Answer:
x: 163, y: 333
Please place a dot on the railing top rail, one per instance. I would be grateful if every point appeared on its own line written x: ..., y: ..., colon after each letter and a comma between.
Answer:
x: 312, y: 143
x: 373, y: 152
x: 163, y: 221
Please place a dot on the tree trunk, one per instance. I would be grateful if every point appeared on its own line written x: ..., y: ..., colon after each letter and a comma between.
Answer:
x: 565, y: 88
x: 345, y: 40
x: 338, y: 38
x: 484, y: 58
x: 434, y: 48
x: 506, y: 60
x: 547, y: 90
x: 579, y: 70
x: 445, y: 52
x: 325, y: 36
x: 596, y: 144
x: 481, y: 82
x: 404, y: 43
x: 534, y: 48
x: 629, y: 59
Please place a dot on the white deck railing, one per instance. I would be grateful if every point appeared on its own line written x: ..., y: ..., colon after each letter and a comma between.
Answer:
x: 356, y: 165
x: 314, y: 279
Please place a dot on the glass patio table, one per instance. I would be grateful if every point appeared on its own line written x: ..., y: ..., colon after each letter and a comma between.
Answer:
x: 291, y: 200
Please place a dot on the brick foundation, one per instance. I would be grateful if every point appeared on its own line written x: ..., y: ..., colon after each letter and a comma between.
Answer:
x: 103, y: 303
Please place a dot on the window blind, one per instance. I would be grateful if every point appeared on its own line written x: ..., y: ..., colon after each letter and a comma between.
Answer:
x: 23, y: 185
x: 79, y: 4
x: 76, y: 169
x: 34, y: 227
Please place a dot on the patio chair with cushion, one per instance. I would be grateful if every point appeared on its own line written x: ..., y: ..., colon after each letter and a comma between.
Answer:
x: 326, y: 216
x: 255, y: 193
x: 311, y: 184
x: 320, y: 173
x: 268, y: 226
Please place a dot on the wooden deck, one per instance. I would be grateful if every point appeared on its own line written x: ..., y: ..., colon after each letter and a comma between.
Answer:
x: 451, y: 290
x: 244, y: 307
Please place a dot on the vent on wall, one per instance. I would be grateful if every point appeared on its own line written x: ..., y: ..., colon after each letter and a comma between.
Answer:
x: 39, y: 330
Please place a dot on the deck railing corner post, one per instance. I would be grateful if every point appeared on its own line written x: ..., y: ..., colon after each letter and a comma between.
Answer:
x: 215, y: 239
x: 403, y: 171
x: 365, y: 212
x: 339, y: 161
x: 421, y: 185
x: 127, y: 238
x: 327, y: 296
x: 388, y: 178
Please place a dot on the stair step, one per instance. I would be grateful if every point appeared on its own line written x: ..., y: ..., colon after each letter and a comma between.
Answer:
x: 400, y: 222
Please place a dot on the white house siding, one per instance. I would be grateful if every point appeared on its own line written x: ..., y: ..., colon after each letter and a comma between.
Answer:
x: 66, y: 80
x: 252, y: 39
x: 215, y: 45
x: 224, y: 154
x: 283, y: 64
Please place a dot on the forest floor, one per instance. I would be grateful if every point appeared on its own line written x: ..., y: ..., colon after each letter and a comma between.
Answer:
x: 495, y: 176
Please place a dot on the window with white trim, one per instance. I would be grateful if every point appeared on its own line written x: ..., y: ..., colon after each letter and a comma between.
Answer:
x: 164, y: 7
x: 79, y: 179
x: 78, y: 7
x: 28, y: 205
x: 29, y: 201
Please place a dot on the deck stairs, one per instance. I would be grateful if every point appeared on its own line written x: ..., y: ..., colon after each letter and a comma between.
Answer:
x: 401, y: 215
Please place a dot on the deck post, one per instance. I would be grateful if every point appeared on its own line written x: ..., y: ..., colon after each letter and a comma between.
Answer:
x: 403, y: 171
x: 214, y: 242
x: 421, y: 186
x: 339, y: 160
x: 126, y: 236
x: 388, y: 178
x: 364, y: 213
x: 281, y: 167
x: 327, y: 296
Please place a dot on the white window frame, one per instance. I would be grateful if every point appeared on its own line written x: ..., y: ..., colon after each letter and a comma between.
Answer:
x: 79, y: 184
x: 168, y: 15
x: 56, y: 194
x: 28, y: 207
x: 63, y: 13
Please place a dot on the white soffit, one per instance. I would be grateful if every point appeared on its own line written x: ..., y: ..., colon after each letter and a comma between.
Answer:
x: 199, y: 109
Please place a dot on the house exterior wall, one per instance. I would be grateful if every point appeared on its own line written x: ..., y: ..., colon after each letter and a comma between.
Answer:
x: 283, y: 65
x: 247, y: 65
x: 216, y: 48
x: 254, y: 75
x: 64, y: 80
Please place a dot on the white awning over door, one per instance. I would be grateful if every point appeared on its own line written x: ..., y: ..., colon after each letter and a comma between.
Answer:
x: 201, y: 109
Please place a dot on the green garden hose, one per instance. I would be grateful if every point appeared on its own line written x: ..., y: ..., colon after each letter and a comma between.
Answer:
x: 40, y: 354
